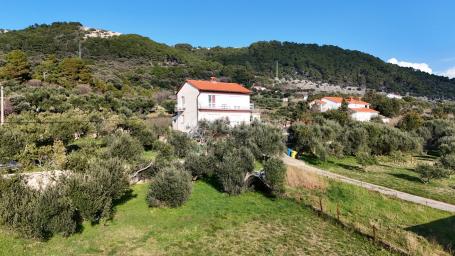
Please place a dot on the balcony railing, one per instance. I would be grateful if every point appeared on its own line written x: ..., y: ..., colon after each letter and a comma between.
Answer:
x: 226, y: 107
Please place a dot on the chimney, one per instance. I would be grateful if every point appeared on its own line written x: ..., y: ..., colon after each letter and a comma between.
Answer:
x: 213, y: 79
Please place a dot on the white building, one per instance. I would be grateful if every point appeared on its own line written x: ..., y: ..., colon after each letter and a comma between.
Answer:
x: 211, y: 100
x: 360, y: 110
x: 394, y: 96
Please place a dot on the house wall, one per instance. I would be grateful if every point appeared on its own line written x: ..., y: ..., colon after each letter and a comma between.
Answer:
x: 234, y: 117
x: 234, y: 107
x: 225, y: 100
x: 187, y: 119
x: 358, y: 106
x: 329, y: 105
x: 363, y: 116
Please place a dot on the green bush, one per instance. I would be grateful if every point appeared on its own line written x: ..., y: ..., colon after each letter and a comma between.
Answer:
x: 123, y: 146
x: 37, y: 214
x: 365, y: 159
x: 169, y: 188
x: 94, y: 192
x: 181, y: 143
x: 448, y: 161
x: 199, y: 165
x: 231, y: 170
x: 275, y: 174
x: 429, y: 172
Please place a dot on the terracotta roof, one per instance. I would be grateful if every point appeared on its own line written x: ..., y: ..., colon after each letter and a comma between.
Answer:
x: 215, y: 86
x: 319, y: 102
x: 334, y: 99
x: 364, y: 110
x: 349, y: 100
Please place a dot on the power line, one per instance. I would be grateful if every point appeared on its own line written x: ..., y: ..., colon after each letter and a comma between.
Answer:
x: 83, y: 121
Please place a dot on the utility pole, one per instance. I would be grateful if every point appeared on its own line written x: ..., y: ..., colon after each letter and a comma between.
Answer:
x: 2, y: 107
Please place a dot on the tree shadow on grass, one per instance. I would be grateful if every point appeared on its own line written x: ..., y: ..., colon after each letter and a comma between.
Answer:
x: 406, y: 177
x: 349, y: 167
x: 125, y: 198
x: 441, y: 231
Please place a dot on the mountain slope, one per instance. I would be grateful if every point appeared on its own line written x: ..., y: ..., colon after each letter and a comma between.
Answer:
x: 168, y: 66
x: 334, y: 65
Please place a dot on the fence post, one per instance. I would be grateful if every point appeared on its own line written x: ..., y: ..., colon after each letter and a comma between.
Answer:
x: 374, y: 233
x: 338, y: 212
x: 320, y: 204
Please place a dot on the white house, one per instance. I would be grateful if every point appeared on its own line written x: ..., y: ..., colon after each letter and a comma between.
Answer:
x: 199, y: 100
x: 360, y: 110
x: 394, y: 96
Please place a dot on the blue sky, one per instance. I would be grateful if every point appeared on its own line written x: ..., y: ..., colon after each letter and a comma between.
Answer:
x: 414, y: 31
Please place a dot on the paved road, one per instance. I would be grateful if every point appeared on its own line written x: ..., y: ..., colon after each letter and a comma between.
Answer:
x: 383, y: 190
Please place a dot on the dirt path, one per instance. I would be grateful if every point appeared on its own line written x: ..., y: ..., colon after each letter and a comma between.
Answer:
x: 383, y: 190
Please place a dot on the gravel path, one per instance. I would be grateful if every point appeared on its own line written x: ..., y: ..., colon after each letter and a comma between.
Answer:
x: 383, y: 190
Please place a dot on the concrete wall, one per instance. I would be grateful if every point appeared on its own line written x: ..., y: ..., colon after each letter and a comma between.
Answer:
x: 234, y: 117
x: 225, y: 100
x: 363, y: 116
x: 186, y: 117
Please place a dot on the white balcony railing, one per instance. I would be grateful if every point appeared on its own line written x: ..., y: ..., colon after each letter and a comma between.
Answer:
x: 226, y: 107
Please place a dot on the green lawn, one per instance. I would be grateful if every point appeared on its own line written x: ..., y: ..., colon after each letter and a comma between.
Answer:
x: 210, y: 223
x: 403, y: 225
x: 391, y: 175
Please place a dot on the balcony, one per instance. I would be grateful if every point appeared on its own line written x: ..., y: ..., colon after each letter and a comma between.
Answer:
x: 224, y: 107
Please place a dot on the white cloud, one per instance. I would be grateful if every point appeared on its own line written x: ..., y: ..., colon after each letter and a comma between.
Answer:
x: 450, y: 73
x: 418, y: 66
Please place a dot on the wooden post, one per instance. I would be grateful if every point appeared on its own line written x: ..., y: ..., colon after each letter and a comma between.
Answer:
x: 320, y: 204
x: 374, y: 233
x: 338, y: 212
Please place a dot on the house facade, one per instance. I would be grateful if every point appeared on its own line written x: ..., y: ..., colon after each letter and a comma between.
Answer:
x: 360, y: 110
x: 199, y: 100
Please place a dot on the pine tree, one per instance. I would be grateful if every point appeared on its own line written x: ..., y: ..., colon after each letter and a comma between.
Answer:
x: 16, y: 66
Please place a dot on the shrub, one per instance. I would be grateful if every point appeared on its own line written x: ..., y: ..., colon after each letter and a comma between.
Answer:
x: 124, y: 147
x: 37, y: 214
x: 428, y: 172
x: 12, y: 142
x: 77, y: 162
x: 365, y: 159
x: 275, y: 174
x: 199, y: 165
x: 448, y: 161
x: 262, y: 140
x: 94, y: 192
x: 54, y: 214
x: 231, y: 170
x: 182, y: 143
x: 169, y: 188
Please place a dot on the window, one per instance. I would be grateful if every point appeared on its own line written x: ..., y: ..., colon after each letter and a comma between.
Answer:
x: 183, y: 101
x: 212, y: 101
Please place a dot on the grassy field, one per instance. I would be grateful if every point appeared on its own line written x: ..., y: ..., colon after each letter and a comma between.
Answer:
x: 210, y: 223
x: 399, y: 176
x: 416, y: 229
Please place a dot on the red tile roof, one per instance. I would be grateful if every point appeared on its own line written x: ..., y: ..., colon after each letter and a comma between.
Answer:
x: 364, y: 110
x: 349, y: 100
x: 319, y: 102
x: 215, y: 86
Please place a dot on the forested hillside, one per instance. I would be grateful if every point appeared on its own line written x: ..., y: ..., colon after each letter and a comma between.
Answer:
x: 137, y: 60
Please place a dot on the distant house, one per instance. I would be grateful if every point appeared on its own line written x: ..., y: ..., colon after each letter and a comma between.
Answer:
x: 360, y: 110
x: 394, y: 96
x: 199, y: 100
